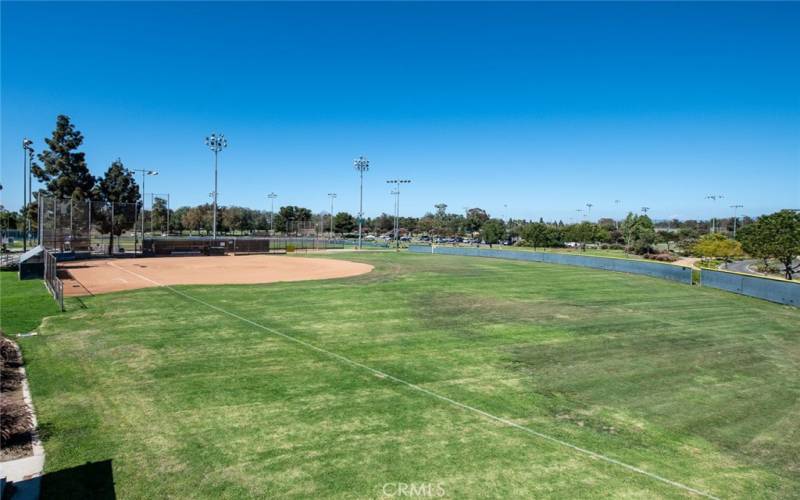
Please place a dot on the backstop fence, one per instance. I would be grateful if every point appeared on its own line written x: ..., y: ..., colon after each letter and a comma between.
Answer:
x: 53, y: 283
x: 88, y: 226
x: 101, y: 228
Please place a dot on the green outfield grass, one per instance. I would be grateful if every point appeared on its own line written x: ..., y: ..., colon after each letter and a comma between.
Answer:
x: 695, y: 385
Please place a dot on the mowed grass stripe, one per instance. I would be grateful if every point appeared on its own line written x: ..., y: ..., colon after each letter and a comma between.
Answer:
x: 436, y: 395
x: 189, y: 411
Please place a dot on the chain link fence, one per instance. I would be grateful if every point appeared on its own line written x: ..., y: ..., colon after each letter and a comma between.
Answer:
x: 51, y: 279
x: 86, y: 226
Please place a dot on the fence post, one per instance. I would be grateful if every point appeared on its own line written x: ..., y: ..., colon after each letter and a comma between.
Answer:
x: 39, y: 219
x: 55, y: 222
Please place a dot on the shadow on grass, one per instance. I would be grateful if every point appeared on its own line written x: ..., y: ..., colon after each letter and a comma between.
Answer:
x: 93, y: 480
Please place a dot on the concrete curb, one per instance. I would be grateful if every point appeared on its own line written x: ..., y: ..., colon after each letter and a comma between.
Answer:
x: 26, y: 468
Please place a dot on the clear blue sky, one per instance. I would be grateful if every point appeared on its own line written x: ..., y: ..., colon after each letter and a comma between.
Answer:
x: 540, y: 107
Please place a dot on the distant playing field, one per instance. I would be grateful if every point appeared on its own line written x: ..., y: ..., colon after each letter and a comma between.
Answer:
x: 477, y: 376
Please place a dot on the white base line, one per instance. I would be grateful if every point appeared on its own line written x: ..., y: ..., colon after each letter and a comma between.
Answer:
x: 453, y: 402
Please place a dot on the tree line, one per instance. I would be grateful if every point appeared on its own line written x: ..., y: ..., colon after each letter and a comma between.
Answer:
x: 62, y: 168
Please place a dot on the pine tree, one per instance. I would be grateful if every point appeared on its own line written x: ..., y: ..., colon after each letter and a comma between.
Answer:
x: 63, y: 168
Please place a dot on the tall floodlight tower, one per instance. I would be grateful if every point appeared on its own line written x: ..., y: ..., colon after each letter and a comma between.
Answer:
x: 271, y: 197
x: 27, y: 158
x: 589, y: 211
x: 332, y: 196
x: 216, y: 143
x: 396, y: 193
x: 645, y: 210
x: 362, y: 165
x: 714, y: 198
x: 735, y: 209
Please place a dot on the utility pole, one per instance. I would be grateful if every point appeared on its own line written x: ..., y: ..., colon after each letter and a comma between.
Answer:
x: 272, y: 197
x: 735, y: 208
x: 216, y: 143
x: 396, y: 193
x: 332, y: 196
x: 362, y: 165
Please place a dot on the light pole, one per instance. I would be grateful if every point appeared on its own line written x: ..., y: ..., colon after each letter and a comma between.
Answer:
x: 362, y: 165
x: 616, y: 221
x: 589, y: 211
x: 272, y: 197
x: 216, y: 143
x: 27, y: 155
x: 145, y: 173
x: 735, y: 208
x: 152, y: 202
x: 645, y: 210
x: 332, y: 196
x: 396, y: 193
x: 714, y: 198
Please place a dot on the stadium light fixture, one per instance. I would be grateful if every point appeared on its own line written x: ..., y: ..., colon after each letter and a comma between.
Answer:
x: 216, y: 143
x: 589, y: 211
x: 362, y: 165
x: 645, y: 210
x: 396, y: 193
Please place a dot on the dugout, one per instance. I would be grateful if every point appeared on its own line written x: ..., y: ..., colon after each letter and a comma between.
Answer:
x: 31, y: 264
x: 164, y: 247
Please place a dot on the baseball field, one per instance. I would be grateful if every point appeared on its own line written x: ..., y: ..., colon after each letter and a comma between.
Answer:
x: 450, y: 376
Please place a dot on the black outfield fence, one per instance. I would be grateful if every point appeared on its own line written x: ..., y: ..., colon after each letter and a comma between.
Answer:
x: 671, y: 272
x: 773, y: 290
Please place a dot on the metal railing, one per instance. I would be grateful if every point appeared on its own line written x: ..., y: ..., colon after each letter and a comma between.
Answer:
x: 54, y: 284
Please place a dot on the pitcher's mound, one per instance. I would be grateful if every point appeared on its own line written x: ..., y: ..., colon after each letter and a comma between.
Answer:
x: 91, y: 277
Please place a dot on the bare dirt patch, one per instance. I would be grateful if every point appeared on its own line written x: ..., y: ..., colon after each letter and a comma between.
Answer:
x: 92, y: 277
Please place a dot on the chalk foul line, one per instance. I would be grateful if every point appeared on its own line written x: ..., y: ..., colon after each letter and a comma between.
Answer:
x: 463, y: 406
